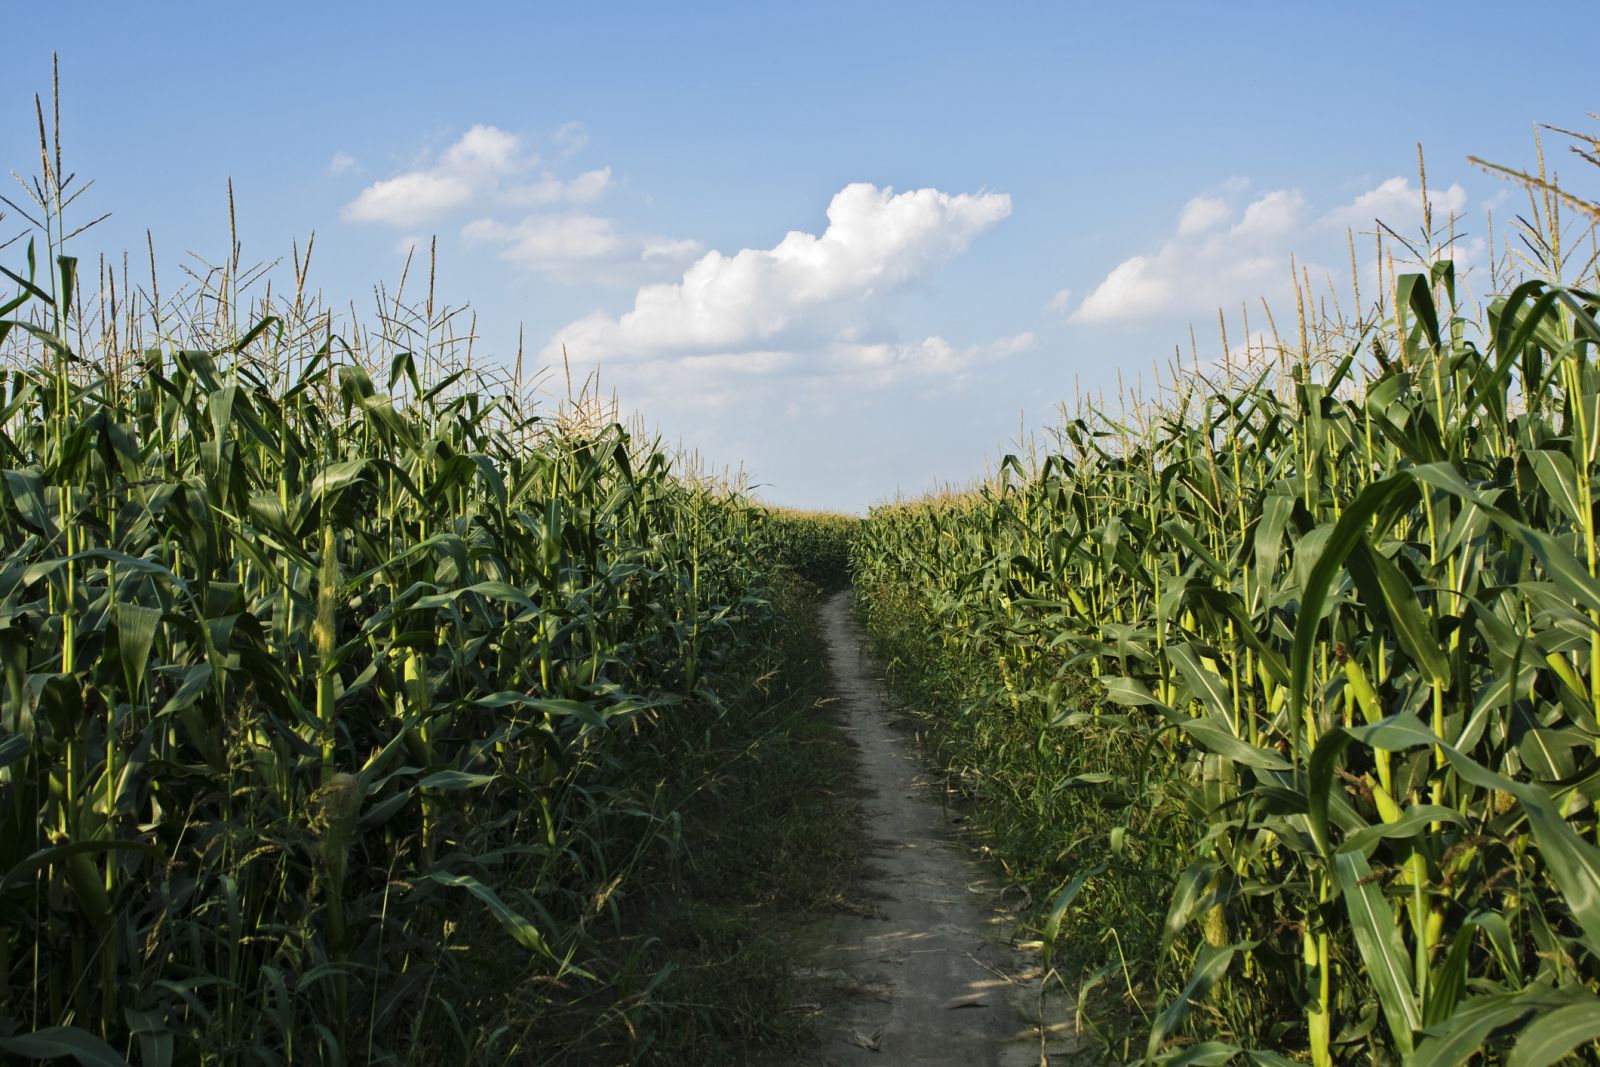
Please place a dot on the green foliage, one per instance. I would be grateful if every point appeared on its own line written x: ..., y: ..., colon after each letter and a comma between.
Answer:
x: 1308, y: 662
x: 326, y: 663
x: 812, y: 544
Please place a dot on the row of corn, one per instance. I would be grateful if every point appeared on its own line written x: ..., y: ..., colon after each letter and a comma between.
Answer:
x: 1290, y: 683
x: 323, y: 657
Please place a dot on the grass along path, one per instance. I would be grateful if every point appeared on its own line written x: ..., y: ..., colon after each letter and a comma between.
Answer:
x: 768, y: 821
x: 924, y: 974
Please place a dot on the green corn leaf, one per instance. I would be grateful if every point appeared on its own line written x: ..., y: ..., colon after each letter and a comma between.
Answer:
x: 1448, y: 981
x: 1201, y: 1054
x: 1187, y: 894
x: 1415, y: 291
x: 453, y: 779
x: 1559, y: 479
x: 1346, y: 535
x: 27, y: 493
x: 1206, y: 684
x: 1417, y: 819
x: 1058, y: 911
x: 521, y: 930
x: 13, y: 748
x: 1234, y: 608
x: 1372, y: 922
x: 1460, y: 1037
x: 1382, y: 583
x: 1574, y: 863
x: 63, y: 1042
x: 23, y: 872
x: 136, y: 634
x: 1558, y: 560
x: 1551, y: 1036
x: 1209, y: 967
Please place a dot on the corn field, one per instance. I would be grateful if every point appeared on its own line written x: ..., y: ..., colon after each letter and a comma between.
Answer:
x: 814, y: 545
x: 347, y: 686
x: 1289, y: 681
x: 325, y: 660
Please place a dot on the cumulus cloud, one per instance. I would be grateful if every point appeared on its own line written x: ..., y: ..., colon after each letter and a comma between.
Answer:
x: 875, y: 241
x: 1220, y: 255
x: 342, y: 163
x: 806, y: 319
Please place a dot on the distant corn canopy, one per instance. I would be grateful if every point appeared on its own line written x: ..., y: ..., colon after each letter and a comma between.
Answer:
x: 813, y: 544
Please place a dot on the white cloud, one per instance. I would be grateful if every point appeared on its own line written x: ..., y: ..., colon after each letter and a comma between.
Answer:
x: 661, y: 248
x: 802, y: 321
x: 591, y: 245
x: 1276, y: 213
x: 570, y: 139
x: 485, y: 150
x: 1059, y: 303
x: 804, y: 290
x: 1201, y: 214
x: 586, y: 188
x: 804, y: 380
x: 1399, y: 204
x: 540, y: 241
x: 1205, y: 263
x: 888, y: 362
x: 1212, y: 260
x: 342, y: 163
x: 489, y: 173
x: 486, y: 167
x: 1134, y: 287
x: 470, y: 168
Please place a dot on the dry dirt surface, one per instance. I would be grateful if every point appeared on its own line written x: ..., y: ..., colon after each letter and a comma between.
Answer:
x: 926, y: 973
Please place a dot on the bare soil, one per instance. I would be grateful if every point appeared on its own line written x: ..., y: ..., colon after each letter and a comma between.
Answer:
x: 919, y: 968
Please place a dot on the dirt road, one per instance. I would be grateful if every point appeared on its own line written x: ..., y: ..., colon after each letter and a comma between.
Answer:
x: 926, y: 974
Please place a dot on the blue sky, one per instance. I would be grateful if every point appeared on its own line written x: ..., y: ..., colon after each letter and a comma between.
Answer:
x: 1025, y: 199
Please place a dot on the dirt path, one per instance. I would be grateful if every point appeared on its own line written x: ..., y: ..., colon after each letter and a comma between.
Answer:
x: 926, y: 974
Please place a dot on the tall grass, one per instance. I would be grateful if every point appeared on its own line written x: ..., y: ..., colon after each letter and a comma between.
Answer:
x: 324, y: 655
x: 1289, y: 679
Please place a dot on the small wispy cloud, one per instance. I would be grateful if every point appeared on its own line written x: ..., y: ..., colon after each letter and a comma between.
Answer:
x: 570, y: 139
